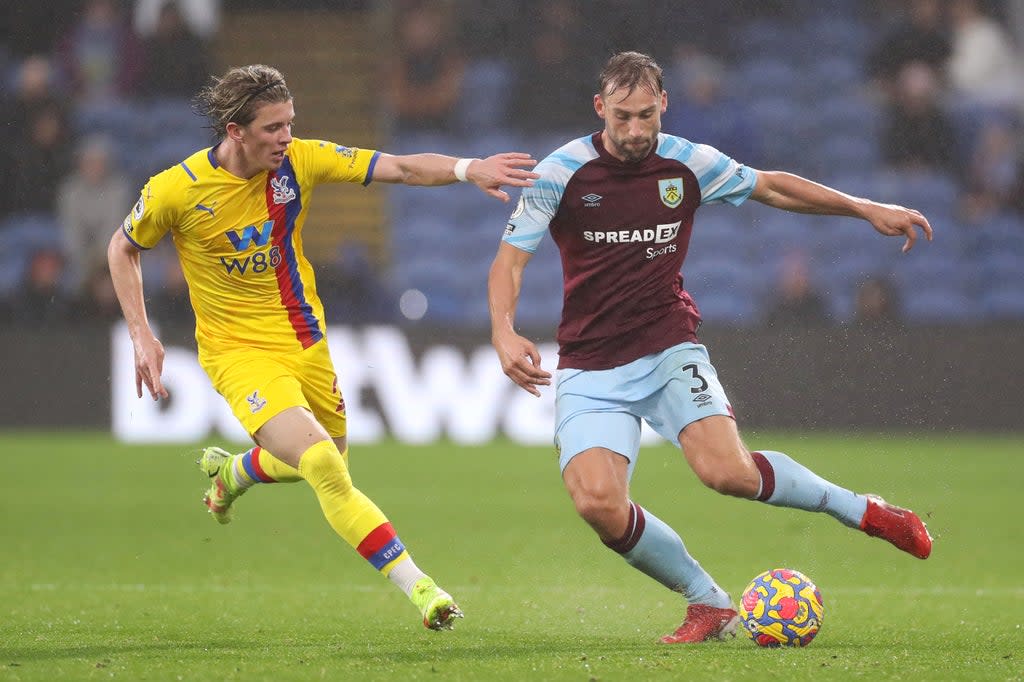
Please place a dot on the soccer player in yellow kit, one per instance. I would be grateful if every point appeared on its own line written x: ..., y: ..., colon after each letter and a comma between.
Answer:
x: 235, y: 213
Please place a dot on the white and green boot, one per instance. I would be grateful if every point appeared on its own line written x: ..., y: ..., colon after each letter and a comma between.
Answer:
x: 437, y: 607
x: 214, y: 462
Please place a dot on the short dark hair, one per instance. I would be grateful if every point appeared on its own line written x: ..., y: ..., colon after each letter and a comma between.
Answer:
x: 235, y: 96
x: 631, y: 70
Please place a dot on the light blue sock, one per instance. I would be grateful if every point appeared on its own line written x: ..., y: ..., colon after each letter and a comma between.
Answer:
x: 653, y: 548
x: 787, y: 483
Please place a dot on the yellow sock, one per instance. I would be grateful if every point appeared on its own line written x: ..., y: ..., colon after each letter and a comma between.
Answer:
x: 257, y: 465
x: 278, y: 470
x: 351, y: 514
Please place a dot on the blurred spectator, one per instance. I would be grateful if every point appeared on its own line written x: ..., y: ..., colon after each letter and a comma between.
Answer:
x: 917, y: 134
x: 99, y: 54
x: 487, y: 28
x: 547, y: 95
x: 91, y: 203
x: 32, y: 165
x: 795, y: 301
x: 919, y: 36
x: 177, y: 61
x: 202, y: 17
x: 97, y: 302
x: 29, y: 28
x: 875, y: 304
x: 984, y: 65
x: 41, y: 300
x: 34, y: 89
x: 699, y: 110
x: 993, y: 170
x: 426, y: 69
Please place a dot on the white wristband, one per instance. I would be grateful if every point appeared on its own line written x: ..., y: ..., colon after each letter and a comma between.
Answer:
x: 460, y: 168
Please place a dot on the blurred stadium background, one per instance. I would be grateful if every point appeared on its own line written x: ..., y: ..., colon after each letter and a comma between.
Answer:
x: 914, y: 102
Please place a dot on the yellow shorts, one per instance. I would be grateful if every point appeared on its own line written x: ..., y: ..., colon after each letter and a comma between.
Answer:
x: 260, y: 384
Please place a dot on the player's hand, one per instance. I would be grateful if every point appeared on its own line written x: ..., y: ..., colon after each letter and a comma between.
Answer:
x: 893, y: 221
x: 506, y: 169
x: 520, y: 361
x: 149, y: 365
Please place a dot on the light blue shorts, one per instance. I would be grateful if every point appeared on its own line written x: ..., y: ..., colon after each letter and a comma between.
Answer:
x: 603, y: 408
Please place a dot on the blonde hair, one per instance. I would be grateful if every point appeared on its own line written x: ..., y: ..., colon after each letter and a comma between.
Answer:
x: 238, y: 94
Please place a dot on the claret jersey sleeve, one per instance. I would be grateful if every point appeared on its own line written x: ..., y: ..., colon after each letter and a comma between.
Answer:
x: 539, y: 203
x: 623, y: 233
x: 721, y: 179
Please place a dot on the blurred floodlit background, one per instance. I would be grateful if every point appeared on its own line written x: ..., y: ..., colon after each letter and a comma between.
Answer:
x: 912, y: 102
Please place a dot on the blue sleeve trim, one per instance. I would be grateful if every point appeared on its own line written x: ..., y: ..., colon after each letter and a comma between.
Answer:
x: 369, y: 171
x: 137, y: 245
x: 189, y: 171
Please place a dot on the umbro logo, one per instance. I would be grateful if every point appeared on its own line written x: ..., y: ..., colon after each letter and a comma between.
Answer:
x: 591, y: 200
x: 703, y: 399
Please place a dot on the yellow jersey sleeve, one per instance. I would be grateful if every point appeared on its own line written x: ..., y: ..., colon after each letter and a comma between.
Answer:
x: 319, y: 161
x: 156, y: 211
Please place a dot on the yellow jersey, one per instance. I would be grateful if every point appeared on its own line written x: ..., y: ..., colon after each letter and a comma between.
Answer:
x: 240, y: 241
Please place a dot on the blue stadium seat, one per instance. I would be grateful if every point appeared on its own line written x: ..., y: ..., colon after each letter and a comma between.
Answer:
x: 849, y: 114
x: 782, y: 122
x: 22, y: 234
x: 833, y: 29
x: 942, y: 304
x: 929, y: 192
x: 766, y: 36
x: 415, y: 142
x: 849, y: 152
x: 111, y: 117
x: 423, y: 237
x: 999, y: 235
x: 768, y: 77
x: 172, y: 115
x: 1004, y: 301
x: 1001, y: 266
x: 724, y: 288
x: 483, y: 102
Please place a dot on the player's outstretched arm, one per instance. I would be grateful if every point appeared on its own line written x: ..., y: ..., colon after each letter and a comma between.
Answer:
x: 508, y: 169
x: 519, y: 357
x: 126, y: 272
x: 794, y: 193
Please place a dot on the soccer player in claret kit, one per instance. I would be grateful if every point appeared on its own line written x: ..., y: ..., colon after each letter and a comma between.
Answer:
x: 620, y: 206
x: 236, y: 212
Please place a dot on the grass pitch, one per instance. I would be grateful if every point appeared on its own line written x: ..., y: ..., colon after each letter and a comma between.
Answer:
x: 112, y: 569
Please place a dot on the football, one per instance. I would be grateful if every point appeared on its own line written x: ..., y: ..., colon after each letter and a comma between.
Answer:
x: 781, y: 607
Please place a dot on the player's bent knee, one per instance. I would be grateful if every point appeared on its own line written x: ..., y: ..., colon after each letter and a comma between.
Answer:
x: 727, y: 481
x: 322, y: 464
x: 604, y: 512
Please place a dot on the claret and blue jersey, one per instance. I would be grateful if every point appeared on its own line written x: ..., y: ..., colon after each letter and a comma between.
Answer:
x: 623, y: 230
x: 240, y: 241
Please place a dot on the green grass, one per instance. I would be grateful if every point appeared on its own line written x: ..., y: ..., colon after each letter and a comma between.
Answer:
x: 111, y: 569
